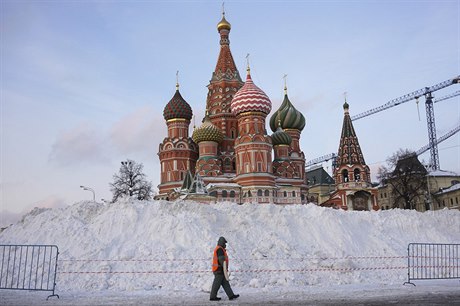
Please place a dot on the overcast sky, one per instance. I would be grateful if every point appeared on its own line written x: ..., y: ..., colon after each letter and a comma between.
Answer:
x: 84, y: 83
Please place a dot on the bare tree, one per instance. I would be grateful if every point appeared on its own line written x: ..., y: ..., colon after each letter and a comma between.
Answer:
x: 131, y: 181
x: 406, y: 176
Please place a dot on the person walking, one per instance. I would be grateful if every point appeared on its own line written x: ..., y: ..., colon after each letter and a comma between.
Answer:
x: 220, y: 270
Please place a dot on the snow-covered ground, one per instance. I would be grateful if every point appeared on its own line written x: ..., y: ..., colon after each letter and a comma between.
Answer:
x: 159, y: 252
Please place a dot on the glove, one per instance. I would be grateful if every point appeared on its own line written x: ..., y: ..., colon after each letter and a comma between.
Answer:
x: 227, y: 276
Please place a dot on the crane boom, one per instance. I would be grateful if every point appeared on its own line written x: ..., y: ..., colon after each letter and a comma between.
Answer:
x: 454, y: 94
x: 321, y: 159
x: 413, y: 95
x: 439, y: 140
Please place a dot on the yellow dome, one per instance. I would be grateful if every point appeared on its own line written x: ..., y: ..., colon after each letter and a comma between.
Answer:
x: 207, y: 132
x: 223, y: 24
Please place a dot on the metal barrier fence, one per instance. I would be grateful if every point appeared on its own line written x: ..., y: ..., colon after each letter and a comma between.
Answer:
x: 29, y: 267
x: 432, y: 261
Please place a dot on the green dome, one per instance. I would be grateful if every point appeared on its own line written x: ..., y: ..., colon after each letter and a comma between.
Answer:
x: 280, y: 137
x: 290, y: 117
x: 207, y: 132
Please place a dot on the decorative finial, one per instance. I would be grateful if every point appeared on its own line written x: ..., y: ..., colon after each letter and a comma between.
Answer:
x: 345, y: 105
x: 285, y: 84
x: 177, y: 80
x: 223, y: 9
x: 247, y: 61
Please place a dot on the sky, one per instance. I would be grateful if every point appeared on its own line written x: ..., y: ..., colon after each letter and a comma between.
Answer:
x: 84, y: 83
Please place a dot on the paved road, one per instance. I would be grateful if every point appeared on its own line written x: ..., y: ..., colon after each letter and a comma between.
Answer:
x: 439, y: 296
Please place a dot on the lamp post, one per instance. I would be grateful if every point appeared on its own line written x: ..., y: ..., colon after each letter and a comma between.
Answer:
x: 89, y: 189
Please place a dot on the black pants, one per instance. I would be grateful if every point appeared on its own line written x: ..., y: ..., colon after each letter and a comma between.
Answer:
x: 219, y: 280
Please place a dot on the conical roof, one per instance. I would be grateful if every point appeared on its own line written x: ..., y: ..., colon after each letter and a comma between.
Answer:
x: 250, y: 98
x: 349, y: 150
x: 177, y: 108
x: 207, y: 132
x: 289, y: 116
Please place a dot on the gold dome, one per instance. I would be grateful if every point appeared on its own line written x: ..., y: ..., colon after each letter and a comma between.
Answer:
x: 223, y: 24
x: 207, y: 132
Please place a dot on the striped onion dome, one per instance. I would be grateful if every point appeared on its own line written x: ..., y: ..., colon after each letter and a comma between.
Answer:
x: 280, y: 137
x: 177, y: 108
x: 290, y: 117
x: 250, y: 98
x: 207, y: 132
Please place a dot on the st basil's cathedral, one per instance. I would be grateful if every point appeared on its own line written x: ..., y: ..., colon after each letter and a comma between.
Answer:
x: 231, y: 151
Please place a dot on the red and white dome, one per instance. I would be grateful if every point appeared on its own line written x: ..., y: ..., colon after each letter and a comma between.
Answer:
x: 250, y: 98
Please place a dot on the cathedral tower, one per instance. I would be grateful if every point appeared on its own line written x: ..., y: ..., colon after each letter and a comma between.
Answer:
x: 352, y: 176
x: 208, y: 137
x: 178, y: 153
x: 253, y: 147
x: 292, y: 122
x: 225, y: 82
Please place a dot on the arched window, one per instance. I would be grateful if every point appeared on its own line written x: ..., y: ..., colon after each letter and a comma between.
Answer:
x: 293, y: 194
x: 224, y: 193
x: 357, y: 174
x: 249, y: 193
x: 259, y: 192
x: 267, y: 193
x: 285, y: 194
x: 232, y: 194
x: 345, y: 175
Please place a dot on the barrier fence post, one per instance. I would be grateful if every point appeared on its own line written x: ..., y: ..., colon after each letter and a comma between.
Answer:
x: 432, y: 261
x: 40, y: 268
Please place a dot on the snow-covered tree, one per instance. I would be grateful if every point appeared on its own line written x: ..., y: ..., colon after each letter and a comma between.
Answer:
x: 131, y: 181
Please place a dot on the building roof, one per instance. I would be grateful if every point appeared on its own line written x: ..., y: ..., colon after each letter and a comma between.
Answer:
x: 318, y: 176
x: 449, y: 189
x: 225, y: 66
x: 410, y: 163
x: 280, y: 137
x: 349, y: 150
x: 442, y: 173
x: 207, y: 132
x: 288, y: 115
x: 250, y: 98
x: 177, y: 108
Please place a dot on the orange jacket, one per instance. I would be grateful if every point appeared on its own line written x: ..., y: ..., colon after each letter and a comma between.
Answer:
x: 215, y: 261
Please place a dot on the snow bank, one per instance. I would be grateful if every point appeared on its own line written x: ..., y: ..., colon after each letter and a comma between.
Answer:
x: 267, y: 243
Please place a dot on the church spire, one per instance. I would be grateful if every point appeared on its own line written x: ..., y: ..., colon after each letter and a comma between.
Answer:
x: 349, y: 150
x: 225, y: 67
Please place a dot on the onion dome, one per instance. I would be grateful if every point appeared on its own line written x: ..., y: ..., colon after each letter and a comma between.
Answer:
x: 280, y: 137
x: 223, y: 24
x: 177, y: 108
x: 289, y: 116
x: 207, y: 132
x: 250, y: 98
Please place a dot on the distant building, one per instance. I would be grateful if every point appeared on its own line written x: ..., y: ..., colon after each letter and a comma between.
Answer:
x: 320, y: 185
x: 432, y: 190
x: 354, y: 190
x: 231, y: 150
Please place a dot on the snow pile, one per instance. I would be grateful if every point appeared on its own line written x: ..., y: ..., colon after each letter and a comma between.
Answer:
x: 266, y: 243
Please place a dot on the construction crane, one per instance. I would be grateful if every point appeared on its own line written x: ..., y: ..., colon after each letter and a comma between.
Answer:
x: 321, y: 159
x: 427, y: 91
x: 439, y: 140
x: 422, y: 150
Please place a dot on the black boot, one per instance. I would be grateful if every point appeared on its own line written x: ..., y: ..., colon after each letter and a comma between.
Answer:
x: 215, y: 299
x: 235, y: 296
